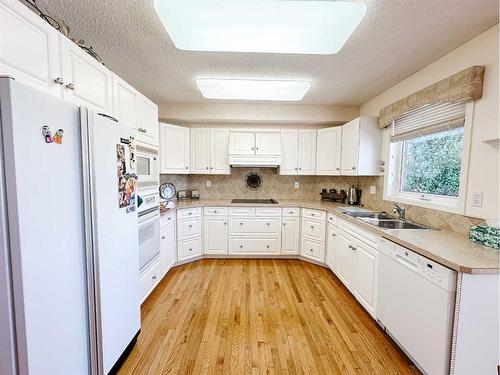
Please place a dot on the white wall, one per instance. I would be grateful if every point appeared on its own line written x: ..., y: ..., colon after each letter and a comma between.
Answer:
x: 256, y: 113
x: 484, y: 158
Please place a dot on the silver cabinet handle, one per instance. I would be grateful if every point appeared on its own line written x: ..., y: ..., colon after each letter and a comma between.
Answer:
x: 381, y: 162
x: 154, y: 277
x: 207, y: 168
x: 241, y: 223
x: 311, y: 250
x: 190, y: 225
x: 211, y: 167
x: 333, y: 234
x: 142, y: 130
x: 284, y: 224
x: 215, y: 211
x: 190, y: 249
x: 349, y: 246
x: 70, y: 86
x: 268, y: 224
x: 382, y: 169
x: 312, y: 214
x: 353, y: 167
x: 338, y: 169
x: 162, y: 237
x: 225, y: 223
x: 190, y: 213
x: 241, y: 246
x: 300, y: 169
x: 169, y: 218
x: 59, y: 81
x: 256, y: 148
x: 267, y: 246
x: 312, y: 226
x: 296, y: 168
x: 253, y: 148
x: 186, y: 167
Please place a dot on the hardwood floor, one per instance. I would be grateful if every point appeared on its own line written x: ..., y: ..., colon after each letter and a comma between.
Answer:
x: 255, y: 316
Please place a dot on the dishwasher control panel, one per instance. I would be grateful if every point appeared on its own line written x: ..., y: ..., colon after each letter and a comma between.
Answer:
x: 430, y: 270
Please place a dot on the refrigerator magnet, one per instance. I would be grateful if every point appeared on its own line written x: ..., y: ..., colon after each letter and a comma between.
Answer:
x: 47, y: 134
x: 58, y: 137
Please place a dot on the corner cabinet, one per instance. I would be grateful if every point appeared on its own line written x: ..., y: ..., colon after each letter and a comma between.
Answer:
x: 174, y: 149
x: 209, y: 151
x: 361, y: 147
x: 328, y: 151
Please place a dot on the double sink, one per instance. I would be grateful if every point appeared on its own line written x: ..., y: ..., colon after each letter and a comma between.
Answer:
x: 383, y: 220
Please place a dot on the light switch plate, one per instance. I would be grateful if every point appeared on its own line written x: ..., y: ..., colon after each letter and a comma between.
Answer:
x: 296, y: 184
x: 209, y: 183
x: 373, y: 189
x: 477, y: 199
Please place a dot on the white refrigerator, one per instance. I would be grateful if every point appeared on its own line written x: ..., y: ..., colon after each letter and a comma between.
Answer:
x: 69, y: 259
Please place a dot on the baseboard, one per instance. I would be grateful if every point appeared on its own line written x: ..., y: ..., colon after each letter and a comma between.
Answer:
x: 123, y: 357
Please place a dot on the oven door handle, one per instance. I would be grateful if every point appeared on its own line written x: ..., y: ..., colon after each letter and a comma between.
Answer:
x: 147, y: 219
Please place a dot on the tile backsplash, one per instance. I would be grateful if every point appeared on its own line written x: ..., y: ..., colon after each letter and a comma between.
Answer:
x: 282, y: 187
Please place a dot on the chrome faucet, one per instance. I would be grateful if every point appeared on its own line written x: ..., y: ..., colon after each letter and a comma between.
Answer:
x: 400, y: 211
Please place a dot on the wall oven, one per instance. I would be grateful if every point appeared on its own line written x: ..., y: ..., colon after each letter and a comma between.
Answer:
x: 149, y: 226
x: 148, y: 166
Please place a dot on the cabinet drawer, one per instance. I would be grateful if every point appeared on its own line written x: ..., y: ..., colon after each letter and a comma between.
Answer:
x: 167, y: 219
x: 244, y: 245
x: 188, y: 228
x: 314, y: 214
x: 189, y: 249
x: 366, y: 236
x: 291, y: 211
x: 149, y: 278
x: 331, y: 218
x: 268, y: 211
x: 313, y: 249
x: 252, y: 226
x: 314, y: 229
x: 242, y: 211
x: 215, y: 211
x: 188, y: 213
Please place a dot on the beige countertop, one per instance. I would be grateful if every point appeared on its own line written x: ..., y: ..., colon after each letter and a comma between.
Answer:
x: 450, y: 249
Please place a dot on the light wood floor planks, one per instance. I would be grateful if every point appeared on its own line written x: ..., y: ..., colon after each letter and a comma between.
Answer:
x: 255, y: 316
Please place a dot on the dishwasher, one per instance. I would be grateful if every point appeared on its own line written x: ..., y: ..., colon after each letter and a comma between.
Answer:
x: 415, y: 305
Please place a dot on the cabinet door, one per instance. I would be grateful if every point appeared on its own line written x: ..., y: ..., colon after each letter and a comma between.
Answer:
x: 307, y: 152
x: 174, y: 149
x: 215, y: 239
x: 350, y: 148
x: 268, y: 143
x: 219, y: 151
x: 365, y: 276
x: 290, y: 235
x: 86, y: 81
x: 200, y: 151
x: 168, y: 246
x: 29, y: 48
x: 289, y: 152
x: 345, y: 258
x: 331, y: 241
x: 241, y: 143
x: 328, y: 151
x: 126, y: 102
x: 147, y: 121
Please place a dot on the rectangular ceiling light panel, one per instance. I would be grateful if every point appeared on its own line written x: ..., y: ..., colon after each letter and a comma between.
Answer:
x: 273, y: 26
x: 240, y: 89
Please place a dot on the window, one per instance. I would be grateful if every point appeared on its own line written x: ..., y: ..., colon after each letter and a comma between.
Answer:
x: 428, y: 157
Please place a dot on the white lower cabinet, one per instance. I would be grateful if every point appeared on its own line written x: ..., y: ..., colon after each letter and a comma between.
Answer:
x: 167, y: 247
x: 254, y: 246
x: 356, y: 266
x: 215, y: 238
x: 313, y: 234
x: 330, y: 257
x: 290, y: 235
x: 189, y: 231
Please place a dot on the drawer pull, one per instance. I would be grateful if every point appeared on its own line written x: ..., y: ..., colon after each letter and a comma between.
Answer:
x: 162, y: 237
x: 241, y: 223
x: 312, y: 214
x: 190, y: 249
x: 311, y: 250
x: 225, y: 223
x: 215, y: 211
x: 190, y: 225
x: 290, y: 212
x: 284, y: 224
x: 267, y: 246
x: 241, y: 246
x: 169, y: 218
x: 58, y: 81
x: 190, y: 213
x: 154, y: 277
x: 268, y: 224
x: 333, y: 234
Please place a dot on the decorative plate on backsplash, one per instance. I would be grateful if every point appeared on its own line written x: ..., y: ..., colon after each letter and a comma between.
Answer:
x: 253, y: 181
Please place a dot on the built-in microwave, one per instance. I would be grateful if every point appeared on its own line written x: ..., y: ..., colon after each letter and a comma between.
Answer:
x: 148, y: 166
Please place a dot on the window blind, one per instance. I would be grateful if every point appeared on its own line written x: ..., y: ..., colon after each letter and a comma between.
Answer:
x: 429, y: 119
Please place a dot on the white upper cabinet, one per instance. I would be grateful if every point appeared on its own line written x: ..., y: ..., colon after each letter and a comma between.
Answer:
x: 174, y: 149
x: 328, y: 151
x: 307, y: 152
x: 219, y: 151
x: 290, y: 152
x: 29, y: 48
x: 86, y: 81
x: 242, y: 143
x: 268, y: 143
x: 200, y: 151
x: 126, y: 102
x: 147, y: 121
x: 361, y: 147
x: 209, y: 151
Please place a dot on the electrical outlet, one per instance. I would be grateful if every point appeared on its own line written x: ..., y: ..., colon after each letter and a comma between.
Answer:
x: 477, y: 199
x: 373, y: 189
x: 209, y: 183
x: 296, y: 184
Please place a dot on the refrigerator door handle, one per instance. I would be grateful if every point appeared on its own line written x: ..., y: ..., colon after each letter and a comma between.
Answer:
x: 108, y: 116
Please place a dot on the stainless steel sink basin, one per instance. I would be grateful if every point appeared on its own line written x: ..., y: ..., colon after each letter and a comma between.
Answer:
x: 371, y: 215
x: 393, y: 224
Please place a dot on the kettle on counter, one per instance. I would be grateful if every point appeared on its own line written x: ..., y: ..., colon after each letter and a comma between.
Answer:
x: 354, y: 196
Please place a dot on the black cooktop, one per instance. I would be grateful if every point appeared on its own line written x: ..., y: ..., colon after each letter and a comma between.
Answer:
x: 255, y: 201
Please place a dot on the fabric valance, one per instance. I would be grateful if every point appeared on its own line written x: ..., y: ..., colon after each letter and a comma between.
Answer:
x: 462, y: 86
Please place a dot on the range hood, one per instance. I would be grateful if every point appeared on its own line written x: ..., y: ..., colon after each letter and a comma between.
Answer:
x: 254, y: 161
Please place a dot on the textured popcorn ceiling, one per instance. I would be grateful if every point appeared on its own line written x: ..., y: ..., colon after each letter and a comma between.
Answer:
x: 395, y: 39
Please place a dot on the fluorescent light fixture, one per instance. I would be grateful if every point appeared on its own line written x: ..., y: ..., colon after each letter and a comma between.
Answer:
x: 274, y: 26
x: 243, y: 89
